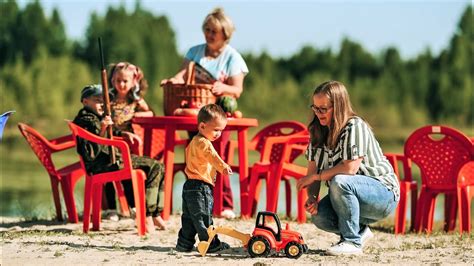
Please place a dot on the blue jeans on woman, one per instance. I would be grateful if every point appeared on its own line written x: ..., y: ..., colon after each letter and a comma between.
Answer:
x: 353, y: 202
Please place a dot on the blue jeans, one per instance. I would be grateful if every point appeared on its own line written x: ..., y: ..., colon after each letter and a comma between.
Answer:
x: 353, y: 202
x: 198, y: 201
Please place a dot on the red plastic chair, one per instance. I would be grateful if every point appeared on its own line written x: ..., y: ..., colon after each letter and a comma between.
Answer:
x: 465, y: 193
x: 270, y: 157
x: 66, y: 176
x: 407, y: 185
x: 94, y: 183
x: 294, y: 146
x: 439, y: 152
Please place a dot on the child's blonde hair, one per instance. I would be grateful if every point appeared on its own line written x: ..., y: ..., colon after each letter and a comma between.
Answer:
x: 141, y: 85
x: 210, y: 112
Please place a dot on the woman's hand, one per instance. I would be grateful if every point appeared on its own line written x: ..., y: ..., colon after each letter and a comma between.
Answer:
x: 218, y: 88
x: 304, y: 182
x: 132, y: 138
x: 311, y: 205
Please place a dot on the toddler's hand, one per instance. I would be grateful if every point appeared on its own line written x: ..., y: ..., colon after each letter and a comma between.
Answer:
x: 227, y: 171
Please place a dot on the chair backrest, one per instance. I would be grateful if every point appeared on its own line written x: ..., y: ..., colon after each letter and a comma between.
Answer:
x: 466, y: 175
x: 439, y: 152
x: 40, y: 146
x: 283, y: 128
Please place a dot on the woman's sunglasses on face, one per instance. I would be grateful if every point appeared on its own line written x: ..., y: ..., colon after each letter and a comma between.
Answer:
x: 320, y: 110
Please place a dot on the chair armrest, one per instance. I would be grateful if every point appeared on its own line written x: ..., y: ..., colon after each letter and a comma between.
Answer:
x: 62, y: 143
x: 394, y: 158
x: 120, y: 144
x: 291, y: 142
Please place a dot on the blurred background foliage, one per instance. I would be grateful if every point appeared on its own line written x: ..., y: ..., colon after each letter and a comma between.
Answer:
x: 42, y: 71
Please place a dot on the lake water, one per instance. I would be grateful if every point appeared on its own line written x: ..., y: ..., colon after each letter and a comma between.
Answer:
x: 25, y: 188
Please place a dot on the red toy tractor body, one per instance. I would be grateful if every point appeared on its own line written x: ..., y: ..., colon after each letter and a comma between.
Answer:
x: 264, y: 238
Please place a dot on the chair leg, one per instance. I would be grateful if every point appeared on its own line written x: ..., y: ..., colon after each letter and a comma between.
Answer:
x: 450, y: 210
x: 254, y: 190
x: 96, y: 205
x: 68, y: 194
x: 420, y: 212
x: 56, y: 199
x: 287, y: 197
x: 414, y: 194
x: 400, y: 212
x: 138, y: 183
x: 122, y: 199
x: 87, y: 205
x: 273, y: 189
x: 464, y: 208
x: 428, y: 221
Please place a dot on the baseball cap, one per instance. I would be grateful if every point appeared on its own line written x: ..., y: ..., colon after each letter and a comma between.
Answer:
x: 91, y: 90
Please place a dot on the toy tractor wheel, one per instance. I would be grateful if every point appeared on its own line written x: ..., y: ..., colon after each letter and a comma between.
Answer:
x: 258, y: 247
x: 293, y: 250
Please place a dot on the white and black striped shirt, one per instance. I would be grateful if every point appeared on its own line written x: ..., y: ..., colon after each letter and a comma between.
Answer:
x: 357, y: 140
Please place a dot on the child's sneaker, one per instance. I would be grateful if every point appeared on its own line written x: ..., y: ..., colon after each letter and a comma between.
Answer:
x: 365, y: 235
x: 344, y: 248
x: 183, y: 249
x: 228, y: 214
x: 111, y: 215
x: 222, y: 246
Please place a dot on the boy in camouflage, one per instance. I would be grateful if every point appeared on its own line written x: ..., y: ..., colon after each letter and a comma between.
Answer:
x: 97, y: 158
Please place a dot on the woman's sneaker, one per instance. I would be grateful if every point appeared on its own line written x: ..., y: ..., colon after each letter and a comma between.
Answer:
x: 344, y: 248
x: 365, y: 236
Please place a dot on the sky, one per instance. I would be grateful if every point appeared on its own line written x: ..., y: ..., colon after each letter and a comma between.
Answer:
x: 282, y: 28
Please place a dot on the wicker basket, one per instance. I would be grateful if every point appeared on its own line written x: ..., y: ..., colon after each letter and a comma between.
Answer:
x: 174, y: 94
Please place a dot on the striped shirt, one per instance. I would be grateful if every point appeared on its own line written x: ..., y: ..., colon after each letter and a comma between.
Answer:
x: 357, y: 140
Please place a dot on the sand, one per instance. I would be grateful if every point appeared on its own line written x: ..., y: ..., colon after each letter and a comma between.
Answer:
x: 58, y: 243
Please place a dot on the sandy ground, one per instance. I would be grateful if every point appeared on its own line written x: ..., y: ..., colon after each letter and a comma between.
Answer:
x: 50, y: 242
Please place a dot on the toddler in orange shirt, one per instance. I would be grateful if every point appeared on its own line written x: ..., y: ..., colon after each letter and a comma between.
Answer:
x: 202, y: 164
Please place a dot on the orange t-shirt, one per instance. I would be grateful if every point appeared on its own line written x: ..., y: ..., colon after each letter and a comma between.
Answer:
x: 202, y: 160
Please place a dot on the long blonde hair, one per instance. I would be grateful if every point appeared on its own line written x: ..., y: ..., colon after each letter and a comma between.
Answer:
x: 342, y: 112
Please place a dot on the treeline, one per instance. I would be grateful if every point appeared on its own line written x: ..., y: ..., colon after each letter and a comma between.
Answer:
x: 42, y: 70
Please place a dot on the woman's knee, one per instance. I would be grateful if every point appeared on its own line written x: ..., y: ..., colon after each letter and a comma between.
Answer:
x: 322, y: 222
x: 339, y: 184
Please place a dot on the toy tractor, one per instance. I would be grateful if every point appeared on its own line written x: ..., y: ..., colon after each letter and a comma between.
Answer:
x: 263, y: 239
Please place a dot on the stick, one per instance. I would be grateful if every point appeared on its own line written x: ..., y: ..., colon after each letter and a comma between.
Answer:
x: 105, y: 92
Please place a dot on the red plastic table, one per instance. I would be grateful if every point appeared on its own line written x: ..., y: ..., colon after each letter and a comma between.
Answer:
x: 173, y: 123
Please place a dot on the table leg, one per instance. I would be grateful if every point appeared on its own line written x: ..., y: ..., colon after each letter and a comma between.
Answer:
x: 168, y: 156
x: 219, y: 185
x: 243, y: 173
